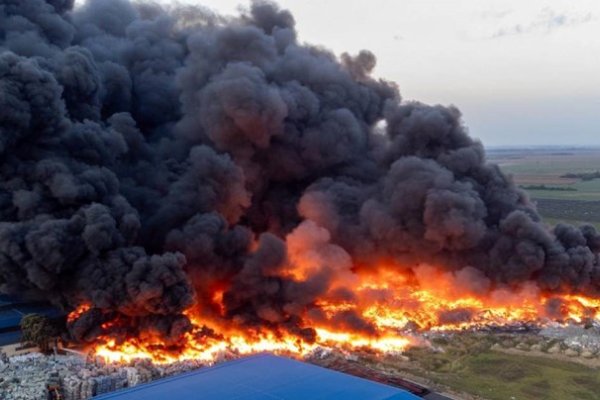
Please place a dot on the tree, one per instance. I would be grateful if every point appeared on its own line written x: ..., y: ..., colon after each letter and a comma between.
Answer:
x: 39, y: 330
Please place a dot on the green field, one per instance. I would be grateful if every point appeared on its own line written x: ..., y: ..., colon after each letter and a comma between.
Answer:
x: 536, y: 167
x: 588, y: 190
x: 466, y: 363
x: 499, y: 376
x: 546, y: 163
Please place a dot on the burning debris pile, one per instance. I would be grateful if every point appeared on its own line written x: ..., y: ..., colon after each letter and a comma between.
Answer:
x: 183, y: 181
x: 28, y: 377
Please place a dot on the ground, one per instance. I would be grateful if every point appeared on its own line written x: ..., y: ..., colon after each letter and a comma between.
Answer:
x: 470, y: 364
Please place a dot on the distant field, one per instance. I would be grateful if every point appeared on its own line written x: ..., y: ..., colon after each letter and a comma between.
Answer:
x: 576, y: 212
x: 536, y: 167
x: 546, y: 163
x: 498, y: 376
x: 468, y: 365
x: 554, y: 221
x: 589, y: 190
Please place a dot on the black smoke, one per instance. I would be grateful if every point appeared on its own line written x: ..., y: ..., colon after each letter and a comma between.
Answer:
x: 151, y: 154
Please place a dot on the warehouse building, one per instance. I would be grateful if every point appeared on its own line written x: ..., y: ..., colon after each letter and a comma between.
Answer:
x: 262, y: 377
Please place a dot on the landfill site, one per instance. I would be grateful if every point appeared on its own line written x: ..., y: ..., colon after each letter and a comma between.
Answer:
x: 75, y: 376
x: 184, y: 187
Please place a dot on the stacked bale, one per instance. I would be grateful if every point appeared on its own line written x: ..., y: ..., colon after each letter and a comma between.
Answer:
x: 27, y: 377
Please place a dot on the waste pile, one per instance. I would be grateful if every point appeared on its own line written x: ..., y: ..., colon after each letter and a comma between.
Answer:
x: 32, y: 376
x: 574, y: 340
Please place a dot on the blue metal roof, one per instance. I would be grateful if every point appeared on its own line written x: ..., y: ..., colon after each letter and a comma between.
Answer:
x: 262, y: 377
x: 10, y: 338
x: 9, y: 319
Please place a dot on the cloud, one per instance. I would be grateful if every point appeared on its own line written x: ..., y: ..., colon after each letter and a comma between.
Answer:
x: 546, y: 21
x: 496, y: 14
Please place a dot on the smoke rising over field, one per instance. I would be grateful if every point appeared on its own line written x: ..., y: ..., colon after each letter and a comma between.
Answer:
x: 153, y: 156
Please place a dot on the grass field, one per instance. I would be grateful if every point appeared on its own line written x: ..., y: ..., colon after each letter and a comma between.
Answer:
x: 546, y: 164
x: 499, y: 376
x: 465, y: 363
x: 535, y: 167
x: 588, y: 190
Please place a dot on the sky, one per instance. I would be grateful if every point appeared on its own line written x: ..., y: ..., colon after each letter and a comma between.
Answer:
x: 521, y: 72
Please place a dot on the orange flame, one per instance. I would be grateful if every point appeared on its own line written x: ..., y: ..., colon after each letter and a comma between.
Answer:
x: 392, y: 303
x: 78, y: 312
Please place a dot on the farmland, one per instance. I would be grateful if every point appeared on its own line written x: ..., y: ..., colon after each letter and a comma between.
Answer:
x: 541, y: 173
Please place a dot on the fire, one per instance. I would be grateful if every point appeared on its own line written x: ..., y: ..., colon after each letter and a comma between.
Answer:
x: 78, y: 312
x: 209, y: 349
x: 390, y: 305
x: 241, y: 345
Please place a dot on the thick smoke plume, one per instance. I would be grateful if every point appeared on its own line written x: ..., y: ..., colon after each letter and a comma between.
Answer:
x: 151, y: 156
